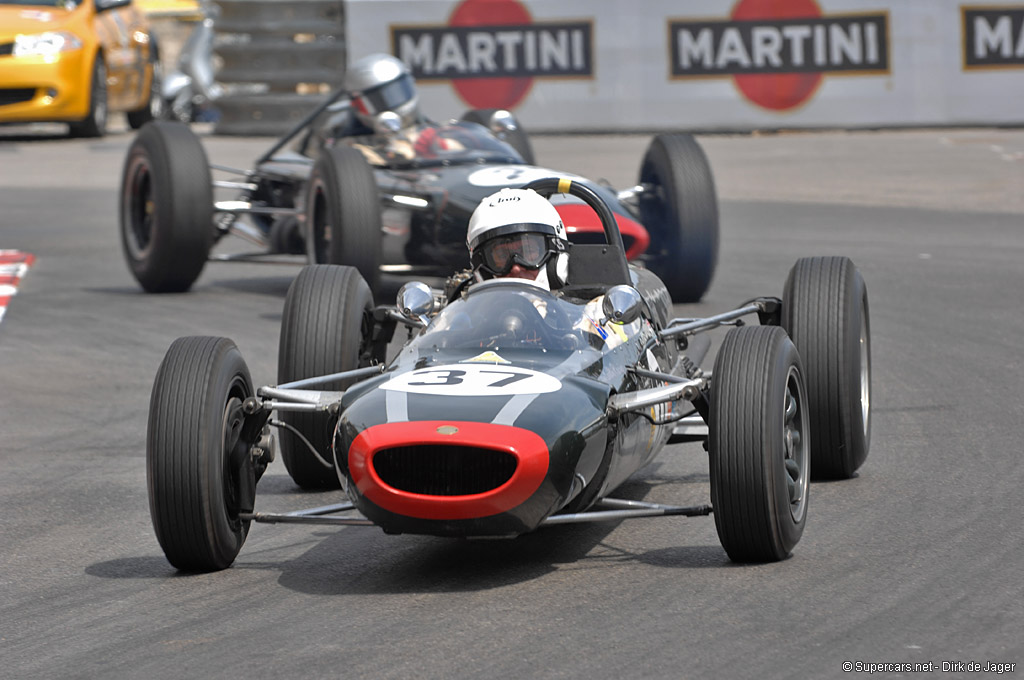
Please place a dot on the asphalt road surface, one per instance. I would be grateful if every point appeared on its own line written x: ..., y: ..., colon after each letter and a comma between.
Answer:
x: 916, y: 560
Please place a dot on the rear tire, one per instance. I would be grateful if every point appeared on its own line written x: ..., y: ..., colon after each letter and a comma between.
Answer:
x: 95, y: 122
x: 343, y: 213
x: 195, y: 455
x: 323, y: 329
x: 166, y: 208
x: 758, y: 445
x: 517, y: 139
x: 825, y: 311
x: 680, y: 214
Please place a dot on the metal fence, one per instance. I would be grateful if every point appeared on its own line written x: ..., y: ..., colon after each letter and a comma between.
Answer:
x: 276, y: 60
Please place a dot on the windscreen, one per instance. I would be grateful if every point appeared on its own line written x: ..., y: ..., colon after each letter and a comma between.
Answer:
x: 504, y: 315
x: 430, y: 144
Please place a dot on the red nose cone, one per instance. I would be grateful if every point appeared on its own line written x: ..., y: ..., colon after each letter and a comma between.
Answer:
x: 447, y: 470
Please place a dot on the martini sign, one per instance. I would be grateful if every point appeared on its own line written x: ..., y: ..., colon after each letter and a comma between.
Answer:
x: 492, y: 51
x: 778, y: 53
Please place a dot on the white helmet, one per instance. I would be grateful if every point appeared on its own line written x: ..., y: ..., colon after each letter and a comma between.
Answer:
x: 518, y: 226
x: 380, y: 82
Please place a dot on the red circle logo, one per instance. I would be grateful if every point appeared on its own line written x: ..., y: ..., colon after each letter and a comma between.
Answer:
x: 777, y: 91
x: 491, y: 93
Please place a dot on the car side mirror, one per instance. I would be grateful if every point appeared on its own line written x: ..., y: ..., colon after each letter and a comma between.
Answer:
x: 501, y: 122
x: 622, y: 304
x: 415, y: 301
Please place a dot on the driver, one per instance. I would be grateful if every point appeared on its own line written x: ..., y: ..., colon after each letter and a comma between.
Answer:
x: 517, y: 233
x: 378, y: 83
x: 375, y: 84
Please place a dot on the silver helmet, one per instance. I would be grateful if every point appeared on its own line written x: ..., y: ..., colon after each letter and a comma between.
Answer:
x: 381, y: 82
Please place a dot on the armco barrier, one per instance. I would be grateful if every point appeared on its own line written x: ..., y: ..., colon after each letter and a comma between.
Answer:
x: 276, y: 60
x: 581, y: 65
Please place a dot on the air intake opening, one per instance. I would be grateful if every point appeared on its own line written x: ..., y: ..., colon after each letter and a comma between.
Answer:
x: 435, y: 470
x: 16, y: 95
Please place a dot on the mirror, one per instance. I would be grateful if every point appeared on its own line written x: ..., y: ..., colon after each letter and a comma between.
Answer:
x: 622, y: 304
x: 387, y: 123
x: 416, y: 301
x: 502, y: 121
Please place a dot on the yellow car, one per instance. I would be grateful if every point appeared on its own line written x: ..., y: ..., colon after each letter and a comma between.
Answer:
x: 75, y: 61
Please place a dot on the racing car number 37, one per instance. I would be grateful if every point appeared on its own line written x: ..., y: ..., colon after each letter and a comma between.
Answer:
x: 474, y: 380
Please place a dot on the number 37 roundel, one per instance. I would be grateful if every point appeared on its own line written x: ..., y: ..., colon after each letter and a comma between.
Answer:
x: 473, y: 380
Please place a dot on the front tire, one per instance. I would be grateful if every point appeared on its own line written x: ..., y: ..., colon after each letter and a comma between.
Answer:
x: 154, y: 106
x: 343, y: 213
x: 195, y: 455
x: 679, y: 209
x: 758, y: 445
x: 95, y: 122
x: 323, y: 330
x: 825, y: 311
x: 166, y: 208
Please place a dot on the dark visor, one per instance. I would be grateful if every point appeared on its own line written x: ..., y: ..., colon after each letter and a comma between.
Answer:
x: 390, y: 95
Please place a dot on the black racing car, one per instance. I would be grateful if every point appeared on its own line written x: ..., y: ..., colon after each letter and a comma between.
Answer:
x: 397, y: 201
x: 511, y: 407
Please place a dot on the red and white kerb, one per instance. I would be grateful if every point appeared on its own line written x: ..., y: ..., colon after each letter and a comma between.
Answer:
x: 13, y: 265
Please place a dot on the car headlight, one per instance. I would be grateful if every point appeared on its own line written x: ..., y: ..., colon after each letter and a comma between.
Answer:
x: 45, y: 44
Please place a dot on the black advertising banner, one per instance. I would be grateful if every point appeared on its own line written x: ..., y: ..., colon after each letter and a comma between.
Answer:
x: 506, y: 51
x: 858, y: 42
x: 993, y: 37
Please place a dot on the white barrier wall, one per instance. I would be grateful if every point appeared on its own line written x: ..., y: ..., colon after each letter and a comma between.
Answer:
x: 705, y: 64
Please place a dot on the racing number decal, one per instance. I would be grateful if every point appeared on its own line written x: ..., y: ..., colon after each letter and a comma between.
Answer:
x: 449, y: 377
x: 512, y: 377
x: 454, y: 376
x: 473, y: 380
